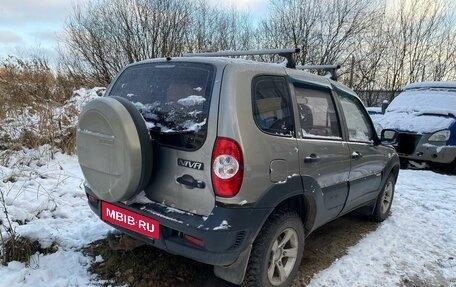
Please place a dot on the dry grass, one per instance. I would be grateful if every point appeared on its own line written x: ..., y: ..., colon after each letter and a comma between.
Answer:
x: 29, y: 88
x: 17, y: 248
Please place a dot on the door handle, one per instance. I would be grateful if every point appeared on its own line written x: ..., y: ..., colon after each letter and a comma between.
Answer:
x: 190, y: 182
x: 357, y: 155
x: 311, y: 158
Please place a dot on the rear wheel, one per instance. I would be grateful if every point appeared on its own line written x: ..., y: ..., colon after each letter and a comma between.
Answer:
x: 277, y: 252
x: 384, y: 200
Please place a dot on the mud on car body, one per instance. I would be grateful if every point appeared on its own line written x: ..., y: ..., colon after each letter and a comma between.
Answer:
x: 231, y: 162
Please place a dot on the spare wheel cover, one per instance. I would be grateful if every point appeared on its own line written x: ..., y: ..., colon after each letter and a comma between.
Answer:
x: 114, y: 148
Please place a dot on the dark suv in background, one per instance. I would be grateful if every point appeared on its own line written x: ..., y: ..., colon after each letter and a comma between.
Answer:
x: 231, y: 162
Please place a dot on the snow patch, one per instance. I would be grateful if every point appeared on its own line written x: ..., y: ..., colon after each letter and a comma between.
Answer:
x: 139, y: 198
x: 192, y: 100
x: 223, y: 226
x: 160, y: 215
x: 424, y: 101
x: 416, y: 241
x: 435, y: 84
x: 48, y: 195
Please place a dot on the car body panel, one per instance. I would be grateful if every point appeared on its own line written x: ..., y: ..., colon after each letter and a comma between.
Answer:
x: 260, y: 149
x: 365, y: 173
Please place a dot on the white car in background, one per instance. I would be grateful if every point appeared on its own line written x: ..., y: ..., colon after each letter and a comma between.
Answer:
x: 424, y: 117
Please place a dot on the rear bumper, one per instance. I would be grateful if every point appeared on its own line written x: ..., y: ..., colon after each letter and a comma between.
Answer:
x: 223, y: 243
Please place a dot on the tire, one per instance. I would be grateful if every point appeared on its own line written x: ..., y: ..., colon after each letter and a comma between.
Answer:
x: 284, y: 233
x: 114, y: 148
x: 384, y: 200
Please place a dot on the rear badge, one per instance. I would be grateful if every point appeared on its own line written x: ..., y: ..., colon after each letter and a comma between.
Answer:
x: 190, y: 164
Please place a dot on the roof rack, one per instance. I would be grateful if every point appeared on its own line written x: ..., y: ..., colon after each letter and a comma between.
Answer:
x: 330, y: 68
x: 286, y: 53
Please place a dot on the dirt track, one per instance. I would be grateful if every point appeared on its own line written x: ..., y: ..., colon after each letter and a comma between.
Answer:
x: 147, y: 266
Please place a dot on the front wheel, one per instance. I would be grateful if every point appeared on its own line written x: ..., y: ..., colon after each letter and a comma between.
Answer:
x: 277, y: 251
x: 384, y: 200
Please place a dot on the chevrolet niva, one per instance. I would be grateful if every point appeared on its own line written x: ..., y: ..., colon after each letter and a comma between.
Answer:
x: 231, y: 162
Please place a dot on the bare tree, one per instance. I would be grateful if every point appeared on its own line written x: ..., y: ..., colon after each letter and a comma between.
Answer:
x: 215, y: 29
x: 324, y: 30
x: 392, y: 44
x: 104, y: 36
x: 412, y: 31
x: 107, y: 35
x: 410, y: 42
x: 442, y: 63
x: 369, y: 53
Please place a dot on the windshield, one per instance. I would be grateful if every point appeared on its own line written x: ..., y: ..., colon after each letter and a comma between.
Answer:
x: 172, y: 97
x: 421, y: 111
x: 425, y: 101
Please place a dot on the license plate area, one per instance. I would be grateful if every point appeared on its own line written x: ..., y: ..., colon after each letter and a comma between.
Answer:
x: 130, y: 220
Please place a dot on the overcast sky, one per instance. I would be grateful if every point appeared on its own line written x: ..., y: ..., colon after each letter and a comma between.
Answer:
x: 36, y: 24
x: 31, y: 24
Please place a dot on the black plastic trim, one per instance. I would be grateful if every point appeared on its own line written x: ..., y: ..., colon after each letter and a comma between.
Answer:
x: 222, y: 245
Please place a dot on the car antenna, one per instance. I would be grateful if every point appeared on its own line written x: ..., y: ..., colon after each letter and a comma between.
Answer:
x: 330, y: 68
x: 286, y: 53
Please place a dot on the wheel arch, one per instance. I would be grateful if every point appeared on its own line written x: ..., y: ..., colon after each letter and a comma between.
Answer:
x: 303, y: 205
x: 292, y: 196
x: 392, y: 167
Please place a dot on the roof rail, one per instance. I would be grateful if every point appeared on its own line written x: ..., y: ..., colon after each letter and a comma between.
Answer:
x: 286, y: 53
x: 330, y: 68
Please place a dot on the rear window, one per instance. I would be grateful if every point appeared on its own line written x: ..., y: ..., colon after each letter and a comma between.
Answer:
x: 272, y: 105
x: 173, y: 99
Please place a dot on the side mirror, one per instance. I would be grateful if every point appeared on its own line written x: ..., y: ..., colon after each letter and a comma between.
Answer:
x: 389, y: 136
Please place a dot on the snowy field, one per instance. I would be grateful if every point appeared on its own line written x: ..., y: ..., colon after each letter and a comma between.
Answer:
x: 45, y: 199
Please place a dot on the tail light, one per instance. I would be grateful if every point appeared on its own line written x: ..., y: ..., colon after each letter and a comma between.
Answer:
x: 227, y: 167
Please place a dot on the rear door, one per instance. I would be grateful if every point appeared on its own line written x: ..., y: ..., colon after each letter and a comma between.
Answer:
x: 323, y: 154
x: 175, y: 99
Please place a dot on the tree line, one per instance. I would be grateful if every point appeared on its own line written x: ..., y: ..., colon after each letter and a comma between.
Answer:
x: 381, y: 44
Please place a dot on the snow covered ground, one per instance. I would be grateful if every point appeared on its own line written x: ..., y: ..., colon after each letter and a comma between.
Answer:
x: 417, y: 243
x: 47, y: 194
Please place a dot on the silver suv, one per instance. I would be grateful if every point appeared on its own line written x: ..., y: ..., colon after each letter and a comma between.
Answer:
x: 231, y: 162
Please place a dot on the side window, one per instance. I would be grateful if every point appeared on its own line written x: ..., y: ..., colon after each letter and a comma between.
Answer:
x: 357, y: 123
x: 317, y: 113
x: 272, y: 105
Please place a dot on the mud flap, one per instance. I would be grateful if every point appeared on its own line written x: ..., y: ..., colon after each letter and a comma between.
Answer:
x: 235, y: 272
